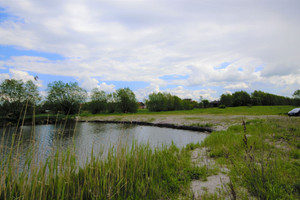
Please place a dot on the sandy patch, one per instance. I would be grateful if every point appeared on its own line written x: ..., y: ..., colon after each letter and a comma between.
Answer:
x: 214, y: 183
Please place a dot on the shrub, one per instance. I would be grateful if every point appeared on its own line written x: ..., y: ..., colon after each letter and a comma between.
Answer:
x: 222, y: 106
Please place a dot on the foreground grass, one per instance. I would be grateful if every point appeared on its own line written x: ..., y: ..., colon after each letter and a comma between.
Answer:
x: 263, y: 157
x: 136, y: 173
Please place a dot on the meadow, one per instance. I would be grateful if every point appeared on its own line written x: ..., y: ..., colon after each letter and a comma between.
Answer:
x: 242, y: 110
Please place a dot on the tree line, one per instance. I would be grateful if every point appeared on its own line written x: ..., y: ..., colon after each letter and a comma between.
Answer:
x: 258, y: 98
x: 167, y: 102
x: 18, y: 98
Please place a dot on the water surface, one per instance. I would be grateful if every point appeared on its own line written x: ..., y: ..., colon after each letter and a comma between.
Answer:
x: 85, y: 136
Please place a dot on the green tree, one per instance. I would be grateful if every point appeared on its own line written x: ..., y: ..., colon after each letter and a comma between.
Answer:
x: 65, y: 97
x: 241, y: 98
x: 204, y: 103
x: 98, y: 102
x: 296, y: 96
x: 178, y: 103
x: 16, y: 97
x: 125, y: 101
x: 157, y: 102
x: 226, y: 99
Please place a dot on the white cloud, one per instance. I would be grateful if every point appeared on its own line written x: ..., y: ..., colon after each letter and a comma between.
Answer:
x: 145, y: 40
x: 237, y: 86
x: 89, y: 83
x: 109, y: 88
x: 179, y: 91
x: 142, y: 94
x: 3, y: 77
x: 20, y: 75
x: 183, y: 93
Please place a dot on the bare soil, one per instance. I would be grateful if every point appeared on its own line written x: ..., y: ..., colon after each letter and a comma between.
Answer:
x: 214, y: 184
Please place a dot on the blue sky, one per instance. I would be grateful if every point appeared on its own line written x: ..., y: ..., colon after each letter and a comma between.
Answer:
x: 188, y: 48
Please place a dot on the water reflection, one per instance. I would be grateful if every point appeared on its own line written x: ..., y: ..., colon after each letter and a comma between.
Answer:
x: 84, y: 137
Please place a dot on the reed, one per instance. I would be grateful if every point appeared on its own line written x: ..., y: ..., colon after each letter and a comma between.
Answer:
x: 136, y: 172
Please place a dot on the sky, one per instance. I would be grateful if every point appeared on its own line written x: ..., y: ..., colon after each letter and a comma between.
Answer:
x: 189, y: 48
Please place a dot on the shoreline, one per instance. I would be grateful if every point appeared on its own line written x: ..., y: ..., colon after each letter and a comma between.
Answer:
x: 162, y: 125
x: 141, y: 123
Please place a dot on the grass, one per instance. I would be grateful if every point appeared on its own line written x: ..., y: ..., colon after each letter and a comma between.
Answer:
x: 262, y: 155
x: 139, y: 172
x: 242, y: 110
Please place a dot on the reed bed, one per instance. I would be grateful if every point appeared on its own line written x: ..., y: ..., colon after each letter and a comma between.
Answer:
x: 136, y: 172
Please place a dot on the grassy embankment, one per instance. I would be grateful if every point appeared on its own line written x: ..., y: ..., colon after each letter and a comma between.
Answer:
x: 263, y: 157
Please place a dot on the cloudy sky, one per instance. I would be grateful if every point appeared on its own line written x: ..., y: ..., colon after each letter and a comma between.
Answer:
x: 190, y: 48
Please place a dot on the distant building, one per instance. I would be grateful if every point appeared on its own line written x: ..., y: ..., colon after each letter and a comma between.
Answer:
x: 142, y: 105
x: 214, y: 103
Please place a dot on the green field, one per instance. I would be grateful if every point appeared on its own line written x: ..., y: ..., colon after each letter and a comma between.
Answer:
x: 242, y: 110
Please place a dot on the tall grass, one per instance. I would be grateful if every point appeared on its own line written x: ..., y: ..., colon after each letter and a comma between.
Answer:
x: 138, y: 172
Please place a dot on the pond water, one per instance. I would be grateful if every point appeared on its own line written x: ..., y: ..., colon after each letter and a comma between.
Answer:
x: 86, y: 136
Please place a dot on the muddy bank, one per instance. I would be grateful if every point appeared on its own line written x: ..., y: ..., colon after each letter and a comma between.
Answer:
x: 212, y: 122
x: 164, y: 125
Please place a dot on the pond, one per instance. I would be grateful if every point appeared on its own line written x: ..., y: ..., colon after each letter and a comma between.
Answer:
x: 87, y: 136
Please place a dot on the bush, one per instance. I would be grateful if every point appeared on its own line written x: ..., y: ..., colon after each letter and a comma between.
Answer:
x: 222, y: 106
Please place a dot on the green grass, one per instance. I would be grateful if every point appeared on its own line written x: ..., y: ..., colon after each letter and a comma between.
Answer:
x: 139, y: 172
x: 263, y: 157
x: 242, y: 110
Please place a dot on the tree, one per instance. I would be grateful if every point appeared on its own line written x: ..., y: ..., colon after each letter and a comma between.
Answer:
x: 157, y: 102
x: 226, y: 99
x: 16, y: 97
x: 204, y: 103
x: 65, y: 97
x: 296, y: 96
x: 241, y: 98
x: 98, y: 102
x: 125, y: 101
